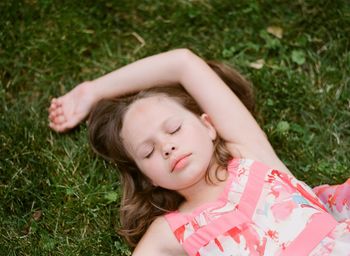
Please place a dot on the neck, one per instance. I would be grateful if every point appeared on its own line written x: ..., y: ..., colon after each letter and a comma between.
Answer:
x: 203, y: 191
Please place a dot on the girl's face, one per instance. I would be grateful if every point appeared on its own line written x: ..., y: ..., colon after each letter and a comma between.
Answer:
x: 170, y: 145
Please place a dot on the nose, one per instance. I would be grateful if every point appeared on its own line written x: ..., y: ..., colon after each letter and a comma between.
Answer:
x: 168, y: 149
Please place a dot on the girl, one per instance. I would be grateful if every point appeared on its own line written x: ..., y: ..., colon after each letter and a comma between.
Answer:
x: 199, y: 175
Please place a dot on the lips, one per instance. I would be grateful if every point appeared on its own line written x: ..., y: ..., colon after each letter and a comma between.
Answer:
x: 179, y: 162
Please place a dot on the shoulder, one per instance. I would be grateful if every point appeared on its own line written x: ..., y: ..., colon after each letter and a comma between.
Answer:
x: 267, y: 156
x: 158, y: 240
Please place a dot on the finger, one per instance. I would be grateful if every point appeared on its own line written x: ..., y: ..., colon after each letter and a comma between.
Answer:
x: 51, y: 107
x: 55, y: 118
x: 54, y: 102
x: 54, y: 105
x: 60, y: 128
x: 51, y: 118
x: 55, y: 113
x: 59, y: 119
x: 59, y: 110
x: 54, y: 127
x: 59, y: 101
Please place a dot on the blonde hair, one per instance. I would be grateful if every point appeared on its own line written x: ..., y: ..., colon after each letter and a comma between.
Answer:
x: 141, y: 201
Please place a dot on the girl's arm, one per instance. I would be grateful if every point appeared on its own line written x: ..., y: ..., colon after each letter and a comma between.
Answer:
x: 232, y: 120
x: 69, y: 110
x: 158, y: 240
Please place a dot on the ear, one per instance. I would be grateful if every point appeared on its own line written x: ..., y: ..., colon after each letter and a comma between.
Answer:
x: 209, y: 125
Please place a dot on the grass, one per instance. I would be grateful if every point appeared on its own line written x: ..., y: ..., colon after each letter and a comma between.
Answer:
x: 57, y: 197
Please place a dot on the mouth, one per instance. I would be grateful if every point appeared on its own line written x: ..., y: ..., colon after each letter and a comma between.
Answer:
x: 179, y: 162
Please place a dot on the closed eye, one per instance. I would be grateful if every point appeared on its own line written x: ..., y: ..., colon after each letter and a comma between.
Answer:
x: 176, y: 130
x: 149, y: 154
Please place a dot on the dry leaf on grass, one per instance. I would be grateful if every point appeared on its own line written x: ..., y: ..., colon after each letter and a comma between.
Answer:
x: 276, y: 31
x: 37, y: 215
x: 257, y: 64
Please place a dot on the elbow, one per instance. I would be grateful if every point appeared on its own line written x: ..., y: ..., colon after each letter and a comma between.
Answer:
x: 186, y: 61
x: 185, y: 55
x: 184, y: 52
x: 189, y: 56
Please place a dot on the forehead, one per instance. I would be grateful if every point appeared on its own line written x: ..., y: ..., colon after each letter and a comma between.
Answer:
x: 147, y: 114
x: 153, y: 108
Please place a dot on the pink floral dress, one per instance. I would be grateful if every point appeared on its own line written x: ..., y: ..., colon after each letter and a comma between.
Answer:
x: 263, y: 211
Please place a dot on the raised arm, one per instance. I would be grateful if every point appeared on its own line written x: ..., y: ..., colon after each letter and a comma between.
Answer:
x: 232, y: 120
x: 70, y: 109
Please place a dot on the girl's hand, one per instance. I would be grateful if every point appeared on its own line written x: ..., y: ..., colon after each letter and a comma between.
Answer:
x: 69, y: 110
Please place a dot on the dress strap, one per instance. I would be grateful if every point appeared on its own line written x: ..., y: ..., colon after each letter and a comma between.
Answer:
x: 175, y: 220
x: 311, y: 236
x: 253, y: 189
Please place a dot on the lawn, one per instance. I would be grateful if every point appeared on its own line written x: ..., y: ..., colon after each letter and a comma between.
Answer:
x: 57, y: 197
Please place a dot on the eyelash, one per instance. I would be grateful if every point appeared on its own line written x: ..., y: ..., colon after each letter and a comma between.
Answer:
x: 176, y: 130
x: 149, y: 154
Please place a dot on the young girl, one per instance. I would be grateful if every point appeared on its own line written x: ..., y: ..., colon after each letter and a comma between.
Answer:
x: 199, y: 175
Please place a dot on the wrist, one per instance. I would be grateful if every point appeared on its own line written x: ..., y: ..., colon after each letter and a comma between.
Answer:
x: 92, y: 91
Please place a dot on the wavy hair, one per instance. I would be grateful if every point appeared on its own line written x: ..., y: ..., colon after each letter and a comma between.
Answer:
x: 142, y: 202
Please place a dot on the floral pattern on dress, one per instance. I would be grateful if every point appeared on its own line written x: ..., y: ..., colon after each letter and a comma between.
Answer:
x: 283, y: 210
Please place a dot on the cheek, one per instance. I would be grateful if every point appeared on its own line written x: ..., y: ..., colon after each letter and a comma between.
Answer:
x: 201, y: 140
x: 203, y: 134
x: 150, y: 167
x: 154, y: 170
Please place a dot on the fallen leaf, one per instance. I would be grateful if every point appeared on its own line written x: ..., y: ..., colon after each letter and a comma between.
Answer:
x: 282, y: 127
x: 88, y: 31
x: 257, y: 64
x: 276, y: 31
x: 37, y: 215
x: 298, y: 56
